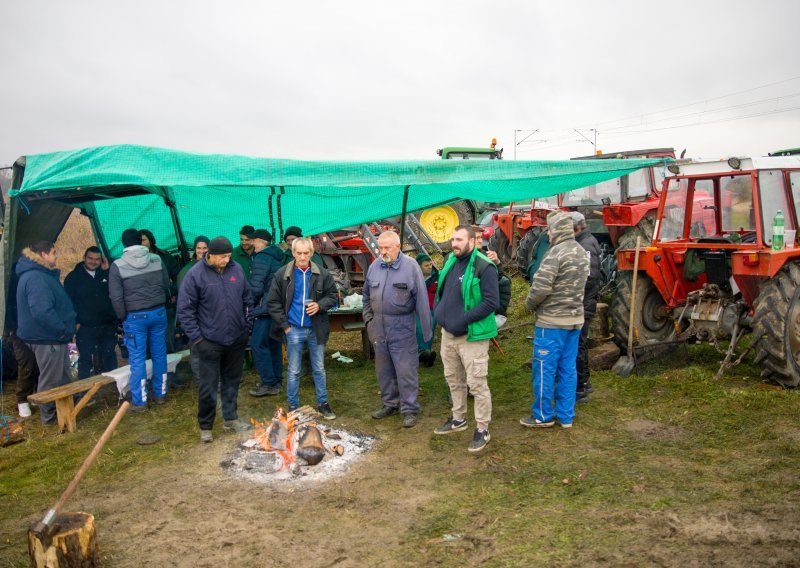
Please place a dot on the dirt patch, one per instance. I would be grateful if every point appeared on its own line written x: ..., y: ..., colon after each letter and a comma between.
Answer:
x: 760, y: 537
x: 196, y: 514
x: 650, y: 430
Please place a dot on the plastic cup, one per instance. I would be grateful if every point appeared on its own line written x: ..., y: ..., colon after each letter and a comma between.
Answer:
x: 788, y: 238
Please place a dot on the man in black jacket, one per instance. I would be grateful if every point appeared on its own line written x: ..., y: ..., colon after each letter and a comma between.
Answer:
x: 585, y: 238
x: 87, y: 287
x: 215, y: 310
x: 298, y: 302
x: 267, y: 352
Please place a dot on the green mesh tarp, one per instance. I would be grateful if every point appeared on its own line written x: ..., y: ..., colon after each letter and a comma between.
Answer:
x: 130, y: 186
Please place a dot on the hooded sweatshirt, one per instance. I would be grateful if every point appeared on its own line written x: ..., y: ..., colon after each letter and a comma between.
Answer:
x: 556, y: 293
x: 138, y: 281
x: 45, y: 313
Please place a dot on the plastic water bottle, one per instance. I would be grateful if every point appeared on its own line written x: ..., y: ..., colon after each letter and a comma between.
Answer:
x: 777, y: 231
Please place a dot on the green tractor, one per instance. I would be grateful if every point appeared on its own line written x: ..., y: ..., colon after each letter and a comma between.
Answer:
x: 440, y: 221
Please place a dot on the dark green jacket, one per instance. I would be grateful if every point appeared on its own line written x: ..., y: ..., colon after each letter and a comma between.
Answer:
x: 243, y: 259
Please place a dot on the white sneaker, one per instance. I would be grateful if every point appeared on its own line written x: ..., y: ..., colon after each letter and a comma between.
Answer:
x: 24, y: 410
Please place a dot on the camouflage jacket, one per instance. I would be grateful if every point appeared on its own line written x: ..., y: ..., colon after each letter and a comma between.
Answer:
x: 556, y: 293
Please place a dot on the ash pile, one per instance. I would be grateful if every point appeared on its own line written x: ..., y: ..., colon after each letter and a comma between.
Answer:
x: 295, y: 447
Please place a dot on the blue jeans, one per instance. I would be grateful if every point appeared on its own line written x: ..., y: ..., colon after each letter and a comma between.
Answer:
x: 555, y: 352
x: 267, y: 353
x: 147, y: 327
x: 295, y: 339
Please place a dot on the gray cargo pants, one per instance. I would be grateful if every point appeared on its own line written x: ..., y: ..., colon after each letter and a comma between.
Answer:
x: 54, y: 371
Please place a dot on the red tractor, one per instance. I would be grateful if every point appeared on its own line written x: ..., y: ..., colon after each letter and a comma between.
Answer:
x: 711, y: 271
x: 616, y: 211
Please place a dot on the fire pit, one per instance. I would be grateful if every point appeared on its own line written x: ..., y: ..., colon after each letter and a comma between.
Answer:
x: 295, y: 446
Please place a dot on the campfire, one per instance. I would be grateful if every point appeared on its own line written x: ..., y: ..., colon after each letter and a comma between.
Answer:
x: 295, y: 444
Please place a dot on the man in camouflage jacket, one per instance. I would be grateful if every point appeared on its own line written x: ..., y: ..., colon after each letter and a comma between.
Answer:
x: 556, y: 296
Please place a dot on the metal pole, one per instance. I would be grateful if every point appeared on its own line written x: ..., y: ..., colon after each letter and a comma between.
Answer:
x: 176, y: 224
x: 403, y: 218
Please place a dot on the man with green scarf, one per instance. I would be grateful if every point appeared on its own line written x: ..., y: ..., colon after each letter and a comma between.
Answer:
x: 466, y: 299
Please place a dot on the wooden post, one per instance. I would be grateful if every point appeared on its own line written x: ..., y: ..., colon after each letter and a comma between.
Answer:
x: 72, y: 544
x: 65, y: 411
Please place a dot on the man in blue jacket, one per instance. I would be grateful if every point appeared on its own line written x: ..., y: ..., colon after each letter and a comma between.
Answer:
x: 87, y: 287
x: 301, y: 294
x: 46, y: 318
x: 215, y: 310
x: 267, y: 352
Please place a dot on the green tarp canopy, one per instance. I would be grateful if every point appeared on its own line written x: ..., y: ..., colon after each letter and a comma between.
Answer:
x: 145, y: 187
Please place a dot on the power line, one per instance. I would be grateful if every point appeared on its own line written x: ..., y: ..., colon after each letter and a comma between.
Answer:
x: 703, y: 101
x: 706, y: 123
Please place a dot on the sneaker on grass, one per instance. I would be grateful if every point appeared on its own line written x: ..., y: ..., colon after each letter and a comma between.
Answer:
x: 451, y: 425
x: 24, y: 410
x: 325, y: 410
x: 264, y: 390
x: 236, y: 425
x: 479, y: 440
x: 206, y: 436
x: 531, y: 422
x: 385, y: 412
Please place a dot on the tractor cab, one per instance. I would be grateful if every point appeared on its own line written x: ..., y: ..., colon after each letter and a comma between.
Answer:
x: 613, y: 207
x: 712, y: 270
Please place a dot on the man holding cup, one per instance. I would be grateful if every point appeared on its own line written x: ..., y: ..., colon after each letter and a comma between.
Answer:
x: 299, y: 299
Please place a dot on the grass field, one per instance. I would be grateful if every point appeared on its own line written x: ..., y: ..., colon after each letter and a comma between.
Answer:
x: 668, y: 468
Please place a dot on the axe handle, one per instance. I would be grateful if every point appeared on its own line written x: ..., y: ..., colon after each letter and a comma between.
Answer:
x: 51, y: 514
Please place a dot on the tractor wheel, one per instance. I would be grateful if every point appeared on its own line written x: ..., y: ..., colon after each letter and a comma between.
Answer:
x: 649, y: 319
x: 644, y: 228
x: 776, y: 327
x: 498, y: 242
x: 525, y: 249
x: 439, y: 222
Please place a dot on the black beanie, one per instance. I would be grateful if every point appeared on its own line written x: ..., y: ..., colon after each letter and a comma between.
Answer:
x: 201, y: 239
x: 292, y: 231
x: 131, y: 237
x: 219, y: 245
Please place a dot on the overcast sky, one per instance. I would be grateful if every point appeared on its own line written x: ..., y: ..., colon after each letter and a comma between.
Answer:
x: 379, y: 80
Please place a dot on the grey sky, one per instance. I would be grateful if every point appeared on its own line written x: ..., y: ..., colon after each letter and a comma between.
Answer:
x: 378, y: 80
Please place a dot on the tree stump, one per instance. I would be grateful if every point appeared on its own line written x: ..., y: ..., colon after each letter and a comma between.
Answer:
x: 599, y: 330
x: 603, y: 357
x: 72, y: 544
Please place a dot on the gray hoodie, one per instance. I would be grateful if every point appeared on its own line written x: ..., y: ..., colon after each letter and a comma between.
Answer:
x: 556, y: 293
x: 138, y: 281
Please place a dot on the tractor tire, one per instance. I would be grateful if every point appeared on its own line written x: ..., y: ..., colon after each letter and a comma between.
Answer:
x: 525, y: 249
x: 440, y: 221
x: 644, y: 228
x: 776, y: 327
x: 651, y: 325
x: 498, y: 242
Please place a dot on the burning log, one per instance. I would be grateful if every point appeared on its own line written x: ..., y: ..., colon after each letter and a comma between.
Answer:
x: 310, y: 447
x: 291, y: 435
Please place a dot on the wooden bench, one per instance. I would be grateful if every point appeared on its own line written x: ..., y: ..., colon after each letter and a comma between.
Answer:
x: 66, y: 409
